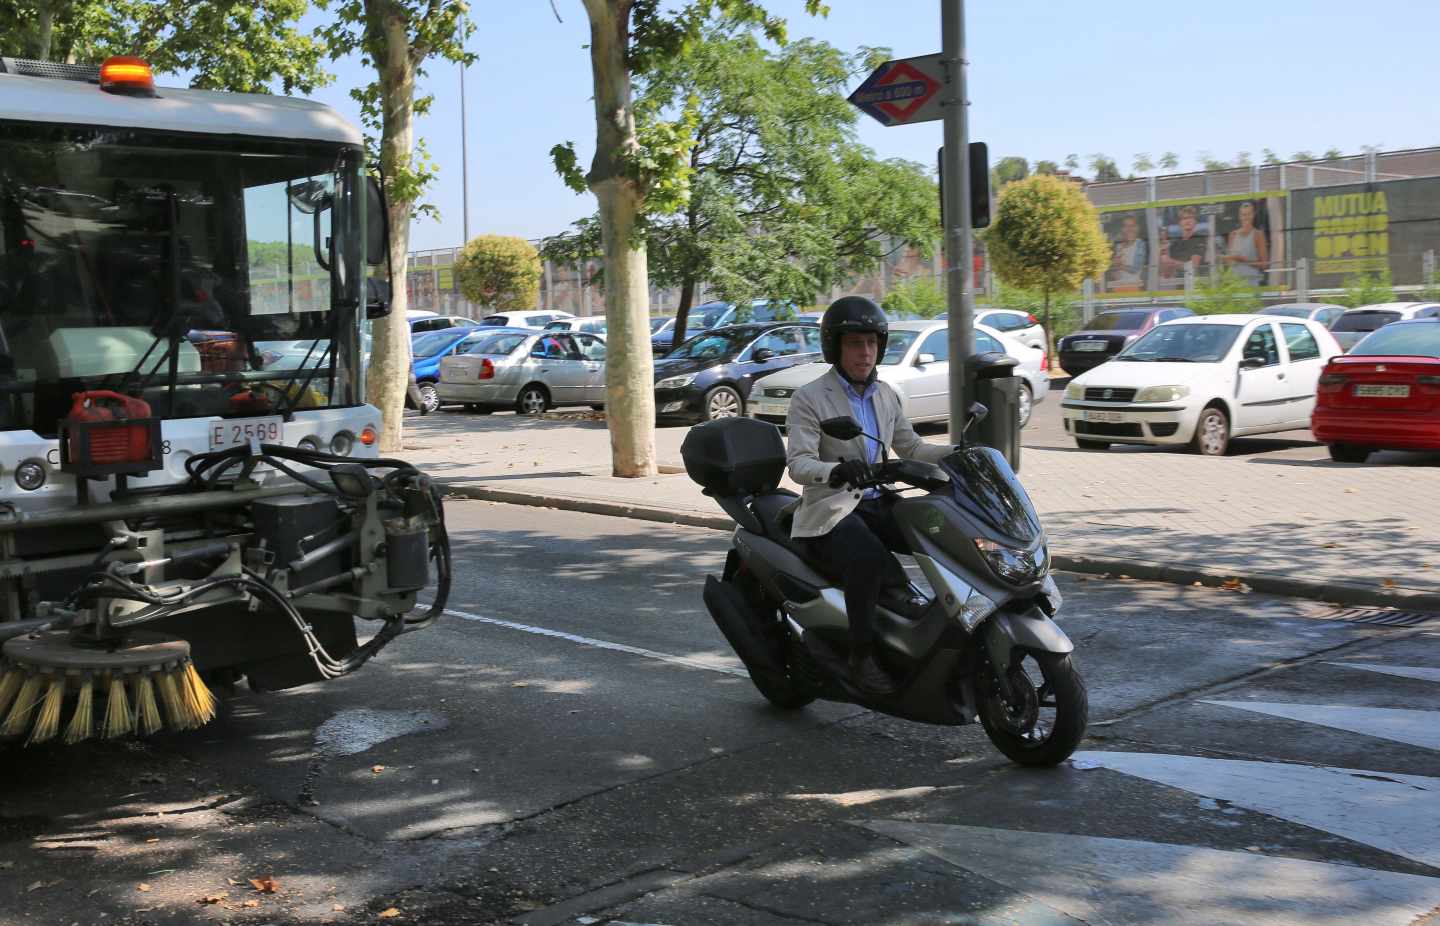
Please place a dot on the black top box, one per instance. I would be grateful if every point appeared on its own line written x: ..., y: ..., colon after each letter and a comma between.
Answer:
x: 735, y: 456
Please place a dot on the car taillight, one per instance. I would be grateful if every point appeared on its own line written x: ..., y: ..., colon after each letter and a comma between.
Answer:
x: 1332, y: 382
x: 1044, y: 362
x: 487, y: 369
x: 1032, y: 319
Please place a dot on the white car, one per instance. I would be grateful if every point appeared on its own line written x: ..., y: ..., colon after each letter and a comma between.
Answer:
x: 1022, y: 326
x: 1358, y: 322
x: 1201, y: 381
x: 536, y: 320
x: 917, y: 364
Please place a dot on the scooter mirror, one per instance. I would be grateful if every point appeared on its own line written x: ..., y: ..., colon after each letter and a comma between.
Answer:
x: 978, y: 412
x: 842, y: 428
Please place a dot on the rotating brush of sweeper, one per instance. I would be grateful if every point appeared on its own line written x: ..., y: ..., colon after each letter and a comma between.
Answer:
x: 54, y: 685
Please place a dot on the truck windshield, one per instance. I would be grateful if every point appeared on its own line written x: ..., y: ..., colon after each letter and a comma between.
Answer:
x: 175, y: 269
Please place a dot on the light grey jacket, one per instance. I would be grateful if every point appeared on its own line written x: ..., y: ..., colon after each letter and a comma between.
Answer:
x: 811, y: 454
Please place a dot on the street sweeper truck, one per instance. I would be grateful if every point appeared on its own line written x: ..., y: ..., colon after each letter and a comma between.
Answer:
x: 191, y: 491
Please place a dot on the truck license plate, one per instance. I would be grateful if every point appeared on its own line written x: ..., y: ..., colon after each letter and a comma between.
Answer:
x: 236, y: 432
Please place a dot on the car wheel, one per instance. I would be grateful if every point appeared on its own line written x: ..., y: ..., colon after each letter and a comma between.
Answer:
x: 479, y: 409
x: 1025, y: 401
x: 1092, y: 444
x: 1349, y: 453
x: 532, y: 400
x: 429, y: 398
x: 723, y: 402
x: 1212, y: 433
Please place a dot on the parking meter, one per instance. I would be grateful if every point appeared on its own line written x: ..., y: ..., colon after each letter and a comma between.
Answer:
x: 993, y: 383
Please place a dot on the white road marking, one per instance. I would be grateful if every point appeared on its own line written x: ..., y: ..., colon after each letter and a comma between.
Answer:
x: 1415, y: 728
x: 687, y: 661
x: 1390, y: 811
x: 1121, y: 881
x: 1423, y: 673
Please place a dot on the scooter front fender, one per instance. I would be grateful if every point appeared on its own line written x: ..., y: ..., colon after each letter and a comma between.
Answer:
x: 1006, y: 631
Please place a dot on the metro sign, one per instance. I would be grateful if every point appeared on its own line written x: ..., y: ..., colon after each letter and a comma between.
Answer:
x: 902, y: 92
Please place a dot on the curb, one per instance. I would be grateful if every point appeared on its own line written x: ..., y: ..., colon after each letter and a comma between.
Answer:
x: 1342, y: 593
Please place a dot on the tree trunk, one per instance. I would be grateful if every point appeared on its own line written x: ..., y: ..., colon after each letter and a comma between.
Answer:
x: 44, y: 30
x: 389, y: 370
x: 629, y: 368
x: 682, y: 314
x: 1049, y: 333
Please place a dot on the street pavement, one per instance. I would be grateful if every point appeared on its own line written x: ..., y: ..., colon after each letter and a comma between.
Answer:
x: 574, y: 744
x: 1276, y: 514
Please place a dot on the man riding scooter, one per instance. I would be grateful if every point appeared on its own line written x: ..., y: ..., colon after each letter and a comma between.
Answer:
x: 850, y: 526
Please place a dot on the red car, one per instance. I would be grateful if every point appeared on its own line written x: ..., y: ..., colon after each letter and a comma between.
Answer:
x: 1383, y: 395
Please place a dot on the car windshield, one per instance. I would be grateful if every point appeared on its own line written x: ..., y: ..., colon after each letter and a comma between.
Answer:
x: 497, y: 344
x: 169, y: 267
x: 715, y: 345
x: 428, y: 345
x: 708, y: 315
x: 1414, y: 340
x: 1183, y: 344
x: 1365, y: 321
x: 658, y: 323
x: 1117, y: 321
x: 897, y: 346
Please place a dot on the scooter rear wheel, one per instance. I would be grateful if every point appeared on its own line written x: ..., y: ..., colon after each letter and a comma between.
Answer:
x: 1046, y: 720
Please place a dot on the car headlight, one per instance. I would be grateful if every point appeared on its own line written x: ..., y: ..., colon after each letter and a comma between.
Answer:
x: 1017, y: 567
x: 676, y: 382
x: 1162, y: 393
x: 1074, y: 391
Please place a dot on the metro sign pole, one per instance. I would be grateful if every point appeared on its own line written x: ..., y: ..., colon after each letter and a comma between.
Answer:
x: 959, y: 248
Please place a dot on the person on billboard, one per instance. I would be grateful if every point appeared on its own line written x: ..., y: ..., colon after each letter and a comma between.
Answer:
x: 1128, y: 262
x: 1246, y: 251
x: 1188, y: 248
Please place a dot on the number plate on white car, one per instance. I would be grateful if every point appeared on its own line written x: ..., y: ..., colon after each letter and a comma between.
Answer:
x: 1107, y: 417
x: 772, y: 408
x: 239, y: 431
x: 1394, y: 392
x: 1090, y: 345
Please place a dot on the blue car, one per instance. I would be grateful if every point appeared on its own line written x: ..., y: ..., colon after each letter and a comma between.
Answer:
x: 428, y: 349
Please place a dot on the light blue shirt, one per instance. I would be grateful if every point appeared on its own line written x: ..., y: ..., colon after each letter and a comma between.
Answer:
x: 862, y: 404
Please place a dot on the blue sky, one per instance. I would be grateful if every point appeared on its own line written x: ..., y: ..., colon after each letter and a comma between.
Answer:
x: 1047, y: 78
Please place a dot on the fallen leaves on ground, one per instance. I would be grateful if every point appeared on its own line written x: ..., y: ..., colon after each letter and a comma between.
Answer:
x: 1233, y: 584
x: 142, y: 887
x: 214, y: 898
x: 265, y: 885
x: 1388, y: 583
x: 376, y: 769
x: 389, y: 913
x: 36, y: 885
x: 250, y: 903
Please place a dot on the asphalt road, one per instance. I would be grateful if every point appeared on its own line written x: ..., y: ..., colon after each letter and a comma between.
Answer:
x: 573, y: 744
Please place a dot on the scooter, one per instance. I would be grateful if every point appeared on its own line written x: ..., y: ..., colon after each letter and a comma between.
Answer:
x: 982, y: 645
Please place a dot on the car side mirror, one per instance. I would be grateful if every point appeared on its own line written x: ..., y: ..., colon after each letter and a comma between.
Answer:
x: 924, y: 360
x: 762, y: 355
x: 1251, y: 363
x: 841, y: 428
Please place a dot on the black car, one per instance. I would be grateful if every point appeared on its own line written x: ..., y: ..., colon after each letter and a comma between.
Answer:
x: 1107, y: 334
x: 712, y: 374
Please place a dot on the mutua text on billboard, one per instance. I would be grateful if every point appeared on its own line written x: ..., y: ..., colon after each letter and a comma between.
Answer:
x: 1366, y: 228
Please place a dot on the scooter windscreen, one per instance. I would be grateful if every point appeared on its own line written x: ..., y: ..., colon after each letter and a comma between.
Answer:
x: 987, y: 489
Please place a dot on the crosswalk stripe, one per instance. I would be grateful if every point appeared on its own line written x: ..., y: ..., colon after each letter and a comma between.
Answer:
x: 1103, y: 880
x: 1423, y: 673
x: 1415, y: 728
x: 1393, y: 812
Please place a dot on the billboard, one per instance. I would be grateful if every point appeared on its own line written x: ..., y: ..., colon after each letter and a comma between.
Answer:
x: 1367, y: 228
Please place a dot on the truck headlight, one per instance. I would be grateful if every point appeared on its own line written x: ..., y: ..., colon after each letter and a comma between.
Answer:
x: 676, y: 382
x: 1162, y: 393
x: 1017, y: 567
x: 1074, y: 391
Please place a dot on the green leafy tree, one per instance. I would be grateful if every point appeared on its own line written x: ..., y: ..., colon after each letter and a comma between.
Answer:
x: 1046, y: 167
x: 1210, y: 162
x: 1368, y: 289
x: 499, y: 271
x: 1072, y: 162
x: 218, y: 44
x: 1270, y: 158
x: 1105, y: 168
x: 1008, y: 170
x: 1046, y: 237
x: 1303, y: 156
x: 1242, y: 159
x: 1332, y: 154
x: 396, y: 38
x: 1143, y: 164
x: 919, y: 295
x: 1225, y: 293
x: 1169, y: 160
x: 641, y: 168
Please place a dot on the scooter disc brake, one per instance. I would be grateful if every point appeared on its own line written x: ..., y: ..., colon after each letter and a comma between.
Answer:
x: 1021, y: 715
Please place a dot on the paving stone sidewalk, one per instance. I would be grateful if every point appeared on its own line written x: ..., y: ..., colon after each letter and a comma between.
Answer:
x: 1278, y: 515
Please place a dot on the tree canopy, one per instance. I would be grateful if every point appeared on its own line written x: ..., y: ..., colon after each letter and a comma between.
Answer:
x: 499, y: 271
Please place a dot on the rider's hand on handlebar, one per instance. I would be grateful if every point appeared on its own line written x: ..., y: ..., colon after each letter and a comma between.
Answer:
x: 850, y: 473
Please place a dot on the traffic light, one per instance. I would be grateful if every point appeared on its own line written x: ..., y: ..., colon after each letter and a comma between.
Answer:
x: 979, y: 184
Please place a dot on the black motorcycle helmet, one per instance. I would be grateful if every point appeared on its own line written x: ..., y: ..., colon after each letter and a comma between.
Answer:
x: 851, y: 315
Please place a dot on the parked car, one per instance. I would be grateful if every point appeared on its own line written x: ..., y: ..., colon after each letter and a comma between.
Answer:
x: 529, y: 371
x: 1107, y: 334
x: 535, y: 320
x: 594, y: 324
x: 712, y: 375
x: 433, y: 322
x: 1323, y: 312
x: 1022, y: 326
x: 1383, y: 395
x: 917, y: 364
x: 429, y: 349
x: 1202, y: 381
x: 1358, y: 322
x: 701, y: 317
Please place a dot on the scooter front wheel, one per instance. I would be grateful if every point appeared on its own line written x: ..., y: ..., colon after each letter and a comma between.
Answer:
x: 1045, y: 716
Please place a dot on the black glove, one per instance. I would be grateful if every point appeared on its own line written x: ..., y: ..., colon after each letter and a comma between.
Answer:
x: 852, y: 473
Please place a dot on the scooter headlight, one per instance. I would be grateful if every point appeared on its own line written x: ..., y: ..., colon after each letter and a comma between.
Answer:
x: 1018, y: 567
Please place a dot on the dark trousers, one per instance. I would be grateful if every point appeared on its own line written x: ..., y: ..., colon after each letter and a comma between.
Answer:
x: 857, y: 552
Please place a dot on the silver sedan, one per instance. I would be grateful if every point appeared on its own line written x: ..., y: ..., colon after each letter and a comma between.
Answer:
x: 917, y: 364
x: 529, y: 371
